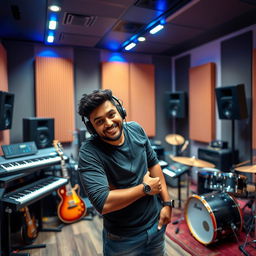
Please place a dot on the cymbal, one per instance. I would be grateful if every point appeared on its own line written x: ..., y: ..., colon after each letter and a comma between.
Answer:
x: 174, y: 139
x: 248, y: 168
x: 192, y: 161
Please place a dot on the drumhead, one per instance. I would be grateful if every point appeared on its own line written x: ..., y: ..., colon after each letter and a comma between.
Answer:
x: 199, y: 219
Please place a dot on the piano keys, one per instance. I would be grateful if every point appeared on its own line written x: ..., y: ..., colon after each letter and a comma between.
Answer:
x: 32, y: 192
x: 43, y: 158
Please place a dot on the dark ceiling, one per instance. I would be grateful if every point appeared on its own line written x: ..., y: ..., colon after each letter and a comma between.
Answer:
x: 107, y: 24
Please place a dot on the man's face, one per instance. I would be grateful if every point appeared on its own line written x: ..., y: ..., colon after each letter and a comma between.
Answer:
x: 108, y: 123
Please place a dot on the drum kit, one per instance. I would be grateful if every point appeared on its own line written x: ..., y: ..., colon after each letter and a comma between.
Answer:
x: 214, y: 212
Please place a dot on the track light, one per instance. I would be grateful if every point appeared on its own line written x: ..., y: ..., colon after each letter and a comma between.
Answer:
x: 129, y: 46
x: 156, y: 29
x: 52, y: 24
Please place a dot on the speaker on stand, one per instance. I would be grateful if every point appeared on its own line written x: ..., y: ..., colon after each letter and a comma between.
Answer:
x: 39, y: 130
x: 6, y: 110
x: 231, y: 102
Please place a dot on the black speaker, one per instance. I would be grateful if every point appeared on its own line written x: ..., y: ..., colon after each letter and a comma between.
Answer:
x: 6, y: 110
x: 176, y: 103
x: 231, y: 102
x: 39, y: 130
x: 223, y: 159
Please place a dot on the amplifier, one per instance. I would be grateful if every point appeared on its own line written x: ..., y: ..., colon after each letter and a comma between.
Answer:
x: 221, y: 158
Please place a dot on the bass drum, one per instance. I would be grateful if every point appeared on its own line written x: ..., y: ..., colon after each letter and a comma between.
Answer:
x: 213, y: 216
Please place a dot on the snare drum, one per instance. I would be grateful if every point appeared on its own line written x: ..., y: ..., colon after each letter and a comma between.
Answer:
x: 233, y: 183
x: 208, y: 180
x: 213, y: 216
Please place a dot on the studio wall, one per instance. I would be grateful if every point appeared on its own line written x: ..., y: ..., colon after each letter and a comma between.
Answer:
x: 212, y: 52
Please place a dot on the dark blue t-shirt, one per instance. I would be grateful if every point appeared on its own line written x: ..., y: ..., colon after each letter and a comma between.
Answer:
x: 103, y: 166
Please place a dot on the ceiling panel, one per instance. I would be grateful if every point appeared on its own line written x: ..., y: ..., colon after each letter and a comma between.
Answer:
x: 107, y: 24
x: 211, y: 13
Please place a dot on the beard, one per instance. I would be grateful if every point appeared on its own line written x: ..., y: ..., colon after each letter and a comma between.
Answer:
x: 117, y: 137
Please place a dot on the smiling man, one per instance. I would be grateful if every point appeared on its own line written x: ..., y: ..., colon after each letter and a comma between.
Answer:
x: 122, y: 178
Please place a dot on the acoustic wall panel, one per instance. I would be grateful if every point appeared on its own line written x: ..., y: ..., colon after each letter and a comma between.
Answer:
x: 202, y: 103
x: 115, y: 76
x: 4, y: 135
x: 55, y: 94
x: 134, y: 84
x: 142, y: 96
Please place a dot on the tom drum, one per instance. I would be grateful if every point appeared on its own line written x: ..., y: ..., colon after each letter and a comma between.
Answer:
x: 208, y: 180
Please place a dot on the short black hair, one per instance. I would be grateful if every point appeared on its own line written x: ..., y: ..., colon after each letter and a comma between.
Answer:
x: 89, y: 102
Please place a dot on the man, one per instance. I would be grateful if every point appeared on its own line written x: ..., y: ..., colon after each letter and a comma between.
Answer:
x: 123, y: 180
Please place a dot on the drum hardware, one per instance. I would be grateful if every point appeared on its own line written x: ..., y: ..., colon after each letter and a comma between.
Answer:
x: 252, y: 205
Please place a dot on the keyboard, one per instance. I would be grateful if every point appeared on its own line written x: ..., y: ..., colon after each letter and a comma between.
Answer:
x: 32, y: 192
x: 43, y: 158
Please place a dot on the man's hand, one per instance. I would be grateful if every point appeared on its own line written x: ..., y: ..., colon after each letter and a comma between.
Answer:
x: 154, y: 183
x: 165, y: 216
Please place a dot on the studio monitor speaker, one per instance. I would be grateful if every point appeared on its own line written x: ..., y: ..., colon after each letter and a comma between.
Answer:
x: 39, y: 130
x: 231, y: 102
x: 176, y: 103
x: 6, y: 110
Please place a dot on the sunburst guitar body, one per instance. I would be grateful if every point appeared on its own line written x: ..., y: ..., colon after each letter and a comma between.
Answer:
x: 71, y: 208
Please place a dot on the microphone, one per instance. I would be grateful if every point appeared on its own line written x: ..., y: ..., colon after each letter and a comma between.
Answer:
x: 184, y: 146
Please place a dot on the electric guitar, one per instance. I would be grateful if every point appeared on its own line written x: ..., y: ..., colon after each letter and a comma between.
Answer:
x: 72, y: 207
x: 29, y: 230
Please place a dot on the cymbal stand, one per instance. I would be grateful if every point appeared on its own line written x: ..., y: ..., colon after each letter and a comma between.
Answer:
x: 253, y: 224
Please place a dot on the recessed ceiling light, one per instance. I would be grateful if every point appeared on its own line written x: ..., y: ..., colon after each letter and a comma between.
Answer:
x: 54, y: 8
x: 141, y: 39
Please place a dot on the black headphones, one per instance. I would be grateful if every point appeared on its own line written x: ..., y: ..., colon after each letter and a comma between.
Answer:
x: 119, y: 108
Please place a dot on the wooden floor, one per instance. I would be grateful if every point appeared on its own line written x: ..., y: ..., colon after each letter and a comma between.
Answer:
x: 84, y: 238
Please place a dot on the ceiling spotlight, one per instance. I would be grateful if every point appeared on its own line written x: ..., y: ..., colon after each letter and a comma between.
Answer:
x: 156, y: 29
x: 141, y: 39
x: 54, y: 8
x: 129, y: 46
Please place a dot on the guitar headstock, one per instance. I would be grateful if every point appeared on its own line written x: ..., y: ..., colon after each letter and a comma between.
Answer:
x: 58, y: 147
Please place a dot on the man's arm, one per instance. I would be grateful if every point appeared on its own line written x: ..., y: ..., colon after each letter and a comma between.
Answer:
x: 166, y: 211
x: 120, y: 198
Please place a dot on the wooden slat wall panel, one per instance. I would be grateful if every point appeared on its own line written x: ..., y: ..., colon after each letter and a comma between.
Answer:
x: 202, y: 103
x: 254, y: 100
x: 5, y: 134
x: 55, y: 94
x: 115, y: 76
x: 142, y: 96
